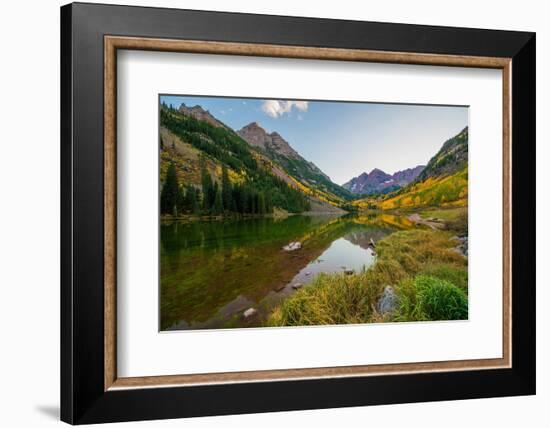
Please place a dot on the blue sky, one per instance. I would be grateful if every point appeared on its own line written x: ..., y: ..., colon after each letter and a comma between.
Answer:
x: 344, y: 139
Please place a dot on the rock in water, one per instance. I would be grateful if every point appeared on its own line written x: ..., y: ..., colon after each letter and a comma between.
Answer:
x: 250, y: 312
x: 388, y: 302
x: 292, y: 246
x: 280, y: 287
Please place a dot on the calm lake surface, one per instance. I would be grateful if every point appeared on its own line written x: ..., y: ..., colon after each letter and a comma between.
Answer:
x: 212, y: 271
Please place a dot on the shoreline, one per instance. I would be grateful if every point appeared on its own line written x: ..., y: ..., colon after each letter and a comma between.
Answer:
x: 193, y: 218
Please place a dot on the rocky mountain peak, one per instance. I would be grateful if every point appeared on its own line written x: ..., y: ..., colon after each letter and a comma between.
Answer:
x: 254, y: 126
x: 378, y: 181
x: 408, y: 175
x: 199, y: 113
x: 378, y: 173
x: 257, y: 136
x: 254, y: 135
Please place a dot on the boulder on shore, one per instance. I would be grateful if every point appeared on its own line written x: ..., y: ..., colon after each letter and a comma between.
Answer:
x: 250, y: 312
x: 462, y: 247
x: 388, y: 302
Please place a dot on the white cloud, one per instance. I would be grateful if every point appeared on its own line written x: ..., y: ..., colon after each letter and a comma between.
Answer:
x: 275, y: 108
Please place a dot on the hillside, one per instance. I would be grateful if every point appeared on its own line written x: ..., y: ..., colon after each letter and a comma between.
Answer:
x: 450, y: 159
x: 377, y: 181
x: 444, y: 191
x: 218, y: 172
x: 276, y: 148
x: 443, y: 182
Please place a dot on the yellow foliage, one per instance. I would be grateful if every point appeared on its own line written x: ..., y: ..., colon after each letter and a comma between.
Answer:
x: 451, y: 190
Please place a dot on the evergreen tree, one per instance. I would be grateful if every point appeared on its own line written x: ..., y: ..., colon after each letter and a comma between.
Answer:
x: 189, y: 198
x: 252, y: 202
x: 227, y: 196
x: 170, y: 191
x: 268, y: 203
x: 233, y: 207
x: 215, y: 191
x: 243, y: 200
x: 207, y: 188
x: 261, y: 204
x: 180, y: 201
x: 196, y: 207
x: 218, y: 204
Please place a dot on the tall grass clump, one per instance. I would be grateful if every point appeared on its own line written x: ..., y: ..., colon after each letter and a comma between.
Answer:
x: 451, y: 273
x: 438, y: 299
x: 330, y: 299
x: 401, y: 259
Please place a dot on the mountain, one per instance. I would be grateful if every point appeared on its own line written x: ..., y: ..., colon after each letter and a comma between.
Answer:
x: 276, y: 148
x: 377, y: 181
x: 451, y: 158
x: 272, y: 143
x: 443, y: 182
x: 199, y: 149
x: 199, y: 113
x: 408, y: 175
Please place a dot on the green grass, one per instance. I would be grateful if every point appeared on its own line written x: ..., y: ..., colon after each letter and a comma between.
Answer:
x: 404, y: 260
x: 429, y: 298
x: 455, y: 275
x: 439, y: 299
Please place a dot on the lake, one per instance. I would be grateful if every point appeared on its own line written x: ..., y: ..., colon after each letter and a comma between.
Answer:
x: 213, y: 271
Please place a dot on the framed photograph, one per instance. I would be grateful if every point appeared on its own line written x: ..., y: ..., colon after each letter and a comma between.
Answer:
x: 266, y: 213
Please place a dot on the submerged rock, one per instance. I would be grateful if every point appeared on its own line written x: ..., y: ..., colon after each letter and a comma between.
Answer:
x: 280, y: 287
x: 250, y: 312
x: 292, y: 246
x: 388, y: 302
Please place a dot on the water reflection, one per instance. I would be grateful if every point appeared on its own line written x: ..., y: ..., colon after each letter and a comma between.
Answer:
x: 212, y: 271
